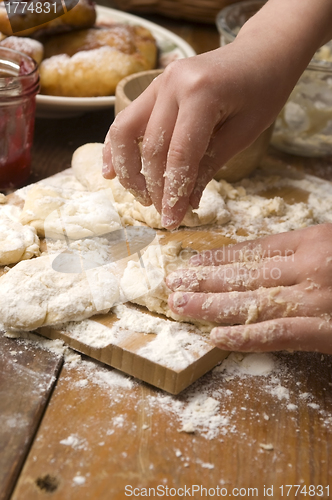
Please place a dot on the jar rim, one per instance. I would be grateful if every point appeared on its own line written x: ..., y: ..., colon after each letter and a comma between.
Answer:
x: 23, y: 56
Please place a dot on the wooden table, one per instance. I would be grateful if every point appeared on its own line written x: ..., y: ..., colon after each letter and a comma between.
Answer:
x: 75, y: 431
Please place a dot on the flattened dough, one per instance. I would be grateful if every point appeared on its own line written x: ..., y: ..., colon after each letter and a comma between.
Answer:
x: 87, y: 166
x: 51, y: 210
x: 32, y: 294
x: 17, y: 242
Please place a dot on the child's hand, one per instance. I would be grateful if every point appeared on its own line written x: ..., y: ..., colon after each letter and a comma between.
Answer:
x: 278, y: 290
x: 203, y: 110
x: 191, y: 120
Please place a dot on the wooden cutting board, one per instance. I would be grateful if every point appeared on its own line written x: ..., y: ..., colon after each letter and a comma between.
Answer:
x: 124, y: 355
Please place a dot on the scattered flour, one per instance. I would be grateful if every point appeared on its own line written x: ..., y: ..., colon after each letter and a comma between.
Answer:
x: 74, y: 441
x: 79, y: 480
x: 176, y: 345
x: 209, y: 408
x: 248, y: 364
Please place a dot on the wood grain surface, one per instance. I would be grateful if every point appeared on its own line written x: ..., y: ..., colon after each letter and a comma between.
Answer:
x: 27, y: 377
x: 96, y: 438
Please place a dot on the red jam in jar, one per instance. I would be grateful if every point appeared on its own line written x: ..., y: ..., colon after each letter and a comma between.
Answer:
x: 19, y: 84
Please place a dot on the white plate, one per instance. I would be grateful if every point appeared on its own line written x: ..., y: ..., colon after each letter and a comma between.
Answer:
x: 171, y: 47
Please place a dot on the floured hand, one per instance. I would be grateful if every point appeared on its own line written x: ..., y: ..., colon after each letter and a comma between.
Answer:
x: 276, y: 290
x: 203, y: 110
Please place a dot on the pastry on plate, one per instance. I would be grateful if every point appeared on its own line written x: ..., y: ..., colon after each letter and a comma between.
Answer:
x: 122, y: 37
x: 90, y: 63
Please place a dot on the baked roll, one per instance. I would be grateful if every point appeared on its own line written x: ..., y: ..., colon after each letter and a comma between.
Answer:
x: 90, y: 63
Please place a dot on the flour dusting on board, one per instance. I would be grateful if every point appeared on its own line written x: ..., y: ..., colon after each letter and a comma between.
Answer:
x: 174, y: 345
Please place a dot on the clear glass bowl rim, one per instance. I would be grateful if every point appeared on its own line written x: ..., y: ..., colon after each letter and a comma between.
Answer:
x: 224, y: 29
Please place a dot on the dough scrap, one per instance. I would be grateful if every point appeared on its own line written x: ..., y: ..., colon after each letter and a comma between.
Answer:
x: 87, y: 166
x: 32, y: 294
x: 17, y: 242
x: 52, y: 210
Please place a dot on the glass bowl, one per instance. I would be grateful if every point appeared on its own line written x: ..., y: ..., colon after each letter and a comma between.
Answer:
x: 304, y: 125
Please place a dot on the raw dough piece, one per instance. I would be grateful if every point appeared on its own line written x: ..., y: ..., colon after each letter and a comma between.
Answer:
x: 87, y: 166
x: 86, y: 163
x: 17, y: 242
x: 32, y: 294
x: 51, y: 210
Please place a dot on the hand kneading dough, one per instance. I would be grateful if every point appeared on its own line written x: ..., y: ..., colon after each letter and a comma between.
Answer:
x: 17, y: 242
x: 87, y: 166
x: 32, y: 294
x: 51, y: 210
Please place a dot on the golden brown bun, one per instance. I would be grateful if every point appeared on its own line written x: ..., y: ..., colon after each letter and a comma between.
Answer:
x: 28, y: 46
x: 83, y: 15
x: 90, y: 63
x: 88, y: 73
x: 127, y: 39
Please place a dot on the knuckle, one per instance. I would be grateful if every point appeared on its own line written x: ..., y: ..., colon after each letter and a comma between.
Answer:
x: 149, y: 148
x: 187, y: 76
x: 172, y: 69
x: 177, y: 155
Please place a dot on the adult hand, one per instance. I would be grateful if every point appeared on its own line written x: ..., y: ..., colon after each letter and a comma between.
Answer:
x: 281, y: 283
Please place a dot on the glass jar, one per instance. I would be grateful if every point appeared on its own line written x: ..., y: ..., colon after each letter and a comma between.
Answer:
x: 19, y: 84
x: 304, y: 125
